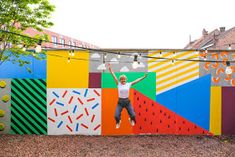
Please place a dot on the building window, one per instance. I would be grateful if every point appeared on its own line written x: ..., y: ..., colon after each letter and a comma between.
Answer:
x: 62, y: 41
x: 74, y: 43
x: 54, y: 40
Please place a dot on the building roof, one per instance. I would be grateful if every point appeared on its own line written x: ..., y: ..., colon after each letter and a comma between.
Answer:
x: 216, y: 39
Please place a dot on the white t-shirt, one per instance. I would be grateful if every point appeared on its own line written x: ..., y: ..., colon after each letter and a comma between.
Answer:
x: 123, y: 90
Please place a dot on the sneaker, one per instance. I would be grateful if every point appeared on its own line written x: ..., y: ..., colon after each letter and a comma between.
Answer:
x: 118, y: 124
x: 132, y: 122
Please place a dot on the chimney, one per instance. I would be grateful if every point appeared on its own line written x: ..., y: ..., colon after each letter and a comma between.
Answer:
x: 204, y: 32
x: 222, y: 29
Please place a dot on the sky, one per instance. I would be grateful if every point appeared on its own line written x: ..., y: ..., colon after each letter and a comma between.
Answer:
x: 140, y: 23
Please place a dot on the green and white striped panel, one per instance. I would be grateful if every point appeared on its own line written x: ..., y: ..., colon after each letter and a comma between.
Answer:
x: 28, y: 106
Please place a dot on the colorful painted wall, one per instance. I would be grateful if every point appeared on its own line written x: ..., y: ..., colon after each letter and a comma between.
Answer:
x: 61, y: 97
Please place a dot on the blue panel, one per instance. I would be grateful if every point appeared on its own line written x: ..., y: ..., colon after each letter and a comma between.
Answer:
x: 10, y: 70
x: 39, y: 69
x: 168, y: 99
x: 191, y: 101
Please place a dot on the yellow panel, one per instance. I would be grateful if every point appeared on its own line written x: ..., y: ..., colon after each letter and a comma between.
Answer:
x: 61, y: 74
x: 215, y: 111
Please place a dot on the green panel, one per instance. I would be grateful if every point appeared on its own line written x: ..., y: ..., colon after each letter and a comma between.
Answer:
x: 146, y: 86
x: 29, y: 108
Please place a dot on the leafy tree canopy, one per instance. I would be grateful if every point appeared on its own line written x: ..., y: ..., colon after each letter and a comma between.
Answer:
x: 17, y: 16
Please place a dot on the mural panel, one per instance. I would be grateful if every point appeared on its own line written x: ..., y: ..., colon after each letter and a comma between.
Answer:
x: 28, y: 106
x: 64, y: 74
x: 74, y: 111
x: 218, y: 70
x: 120, y: 63
x: 38, y: 68
x: 228, y: 110
x: 171, y: 74
x: 146, y: 86
x: 5, y: 105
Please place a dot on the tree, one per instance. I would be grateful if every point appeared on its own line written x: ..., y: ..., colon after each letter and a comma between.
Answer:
x: 16, y: 16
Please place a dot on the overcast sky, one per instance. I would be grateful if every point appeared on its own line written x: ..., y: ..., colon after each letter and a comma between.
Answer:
x: 140, y: 23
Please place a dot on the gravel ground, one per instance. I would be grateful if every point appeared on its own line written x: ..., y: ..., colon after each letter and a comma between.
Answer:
x: 144, y: 146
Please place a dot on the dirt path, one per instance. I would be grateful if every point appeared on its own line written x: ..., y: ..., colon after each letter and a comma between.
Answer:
x: 144, y: 146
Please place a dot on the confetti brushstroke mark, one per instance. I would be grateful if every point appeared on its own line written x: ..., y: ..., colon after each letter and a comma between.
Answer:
x: 76, y: 92
x: 59, y: 103
x: 64, y: 94
x: 56, y: 94
x: 75, y: 107
x: 93, y: 107
x: 97, y: 93
x: 52, y: 101
x: 86, y: 93
x: 61, y: 122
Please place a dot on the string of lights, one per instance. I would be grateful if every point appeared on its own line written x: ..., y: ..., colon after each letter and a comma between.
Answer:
x: 127, y: 52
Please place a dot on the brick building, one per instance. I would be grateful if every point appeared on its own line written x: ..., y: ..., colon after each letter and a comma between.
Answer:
x: 216, y: 39
x: 59, y: 38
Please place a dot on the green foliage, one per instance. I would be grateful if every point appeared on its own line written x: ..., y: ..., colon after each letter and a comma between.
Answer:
x: 17, y: 16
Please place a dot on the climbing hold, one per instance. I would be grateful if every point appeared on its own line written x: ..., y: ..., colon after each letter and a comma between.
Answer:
x: 2, y: 113
x: 3, y: 84
x: 2, y: 126
x: 5, y: 98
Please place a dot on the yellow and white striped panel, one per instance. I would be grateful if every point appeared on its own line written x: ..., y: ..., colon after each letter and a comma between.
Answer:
x: 170, y: 75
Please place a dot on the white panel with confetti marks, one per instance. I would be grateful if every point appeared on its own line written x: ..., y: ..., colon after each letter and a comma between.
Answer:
x: 74, y: 111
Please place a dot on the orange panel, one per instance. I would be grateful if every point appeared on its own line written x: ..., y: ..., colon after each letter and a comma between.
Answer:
x: 109, y: 103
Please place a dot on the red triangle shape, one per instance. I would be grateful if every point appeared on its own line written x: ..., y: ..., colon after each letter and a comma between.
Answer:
x: 154, y: 118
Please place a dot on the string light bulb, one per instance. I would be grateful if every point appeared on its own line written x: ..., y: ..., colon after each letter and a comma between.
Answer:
x: 135, y: 62
x: 228, y: 69
x: 20, y: 46
x: 119, y: 56
x: 24, y: 48
x: 174, y: 54
x: 205, y: 58
x: 72, y: 54
x: 172, y: 61
x: 102, y: 66
x: 160, y: 54
x: 38, y: 48
x: 105, y: 55
x: 229, y: 47
x: 69, y: 60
